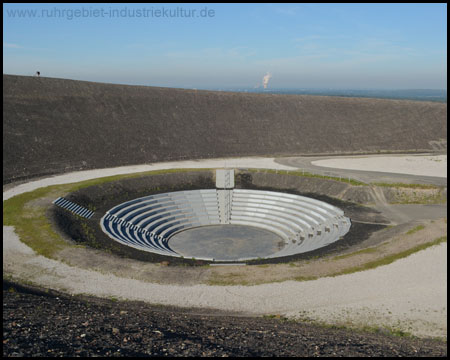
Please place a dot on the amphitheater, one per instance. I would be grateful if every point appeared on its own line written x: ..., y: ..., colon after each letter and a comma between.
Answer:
x: 137, y: 183
x: 148, y: 223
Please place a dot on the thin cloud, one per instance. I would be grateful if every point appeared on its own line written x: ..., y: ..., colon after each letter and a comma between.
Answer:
x: 320, y: 37
x: 286, y: 10
x: 11, y: 46
x: 340, y: 47
x: 290, y: 12
x: 235, y: 53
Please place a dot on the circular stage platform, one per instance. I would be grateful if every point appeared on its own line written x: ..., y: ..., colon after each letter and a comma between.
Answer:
x: 226, y: 242
x: 225, y: 225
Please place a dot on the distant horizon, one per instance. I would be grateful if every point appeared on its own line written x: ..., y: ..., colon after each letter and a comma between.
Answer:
x: 434, y: 95
x: 236, y: 87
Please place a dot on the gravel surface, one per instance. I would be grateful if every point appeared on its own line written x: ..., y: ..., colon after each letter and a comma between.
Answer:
x: 401, y: 295
x: 414, y: 165
x: 36, y: 323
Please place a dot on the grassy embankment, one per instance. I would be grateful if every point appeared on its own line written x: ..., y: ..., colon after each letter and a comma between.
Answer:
x: 29, y: 218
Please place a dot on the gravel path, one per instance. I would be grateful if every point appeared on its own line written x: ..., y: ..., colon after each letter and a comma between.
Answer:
x: 413, y: 165
x: 401, y: 295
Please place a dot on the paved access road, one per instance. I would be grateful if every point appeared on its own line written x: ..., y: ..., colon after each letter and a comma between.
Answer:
x: 396, y: 213
x: 306, y: 163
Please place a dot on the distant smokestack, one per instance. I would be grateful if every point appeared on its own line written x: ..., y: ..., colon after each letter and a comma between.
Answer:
x: 266, y: 79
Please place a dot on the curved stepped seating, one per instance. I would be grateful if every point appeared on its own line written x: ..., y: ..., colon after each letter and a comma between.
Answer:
x: 297, y: 203
x: 149, y: 222
x: 309, y: 224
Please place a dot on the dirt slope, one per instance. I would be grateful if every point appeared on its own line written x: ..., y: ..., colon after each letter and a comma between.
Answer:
x: 56, y: 125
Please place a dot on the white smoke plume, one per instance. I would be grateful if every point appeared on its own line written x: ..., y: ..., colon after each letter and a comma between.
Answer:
x: 266, y: 79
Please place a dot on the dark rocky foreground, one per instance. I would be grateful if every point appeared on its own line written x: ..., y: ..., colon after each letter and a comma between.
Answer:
x: 40, y: 323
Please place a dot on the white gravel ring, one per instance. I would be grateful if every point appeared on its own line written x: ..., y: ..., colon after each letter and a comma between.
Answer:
x: 410, y: 294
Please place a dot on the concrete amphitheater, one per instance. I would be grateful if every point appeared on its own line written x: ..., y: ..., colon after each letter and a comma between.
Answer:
x: 58, y: 131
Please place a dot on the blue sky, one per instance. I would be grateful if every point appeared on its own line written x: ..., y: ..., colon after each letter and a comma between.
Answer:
x: 346, y: 46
